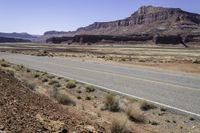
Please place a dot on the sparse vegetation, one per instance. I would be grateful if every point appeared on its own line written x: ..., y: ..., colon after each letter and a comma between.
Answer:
x: 163, y: 109
x: 61, y: 97
x: 52, y: 82
x: 28, y: 70
x: 90, y: 88
x: 135, y: 116
x: 32, y: 86
x: 21, y: 66
x: 123, y: 59
x: 88, y: 98
x: 131, y: 100
x: 36, y: 76
x: 153, y: 123
x: 50, y: 76
x: 64, y: 99
x: 79, y: 97
x: 60, y: 78
x: 71, y: 84
x: 147, y: 106
x: 112, y: 103
x: 45, y: 80
x: 57, y: 85
x: 79, y: 91
x: 119, y: 126
x: 5, y: 64
x: 192, y: 119
x: 196, y: 61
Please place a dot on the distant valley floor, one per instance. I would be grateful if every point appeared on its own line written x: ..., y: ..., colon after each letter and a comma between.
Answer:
x: 168, y: 58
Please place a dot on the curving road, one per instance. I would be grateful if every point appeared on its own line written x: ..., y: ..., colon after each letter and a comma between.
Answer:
x: 178, y: 91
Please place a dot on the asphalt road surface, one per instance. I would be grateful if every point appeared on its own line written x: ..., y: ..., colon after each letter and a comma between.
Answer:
x: 178, y: 91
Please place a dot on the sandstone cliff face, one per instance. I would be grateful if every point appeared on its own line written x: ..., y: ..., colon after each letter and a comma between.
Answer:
x: 147, y: 19
x: 162, y: 24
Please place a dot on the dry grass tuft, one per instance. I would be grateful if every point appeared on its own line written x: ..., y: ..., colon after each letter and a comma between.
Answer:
x: 135, y: 116
x: 120, y: 126
x: 71, y: 84
x: 45, y: 80
x: 36, y: 76
x: 61, y: 97
x: 52, y: 82
x: 147, y: 106
x: 89, y: 88
x: 112, y: 103
x: 4, y: 64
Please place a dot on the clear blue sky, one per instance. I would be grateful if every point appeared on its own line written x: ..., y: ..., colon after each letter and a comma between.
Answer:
x: 38, y: 16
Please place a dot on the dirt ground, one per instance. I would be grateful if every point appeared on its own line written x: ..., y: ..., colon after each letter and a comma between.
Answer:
x: 27, y: 105
x: 157, y: 57
x: 24, y: 111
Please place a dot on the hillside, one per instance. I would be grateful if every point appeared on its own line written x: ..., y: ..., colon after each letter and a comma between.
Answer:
x: 24, y: 36
x: 23, y: 110
x: 12, y: 40
x: 147, y: 19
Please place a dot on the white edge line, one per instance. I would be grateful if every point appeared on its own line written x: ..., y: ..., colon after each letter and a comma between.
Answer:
x: 125, y: 94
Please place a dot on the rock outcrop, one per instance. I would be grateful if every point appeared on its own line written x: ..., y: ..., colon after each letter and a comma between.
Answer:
x: 154, y: 21
x: 147, y: 19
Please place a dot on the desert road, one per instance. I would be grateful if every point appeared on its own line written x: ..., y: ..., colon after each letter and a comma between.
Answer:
x: 178, y: 91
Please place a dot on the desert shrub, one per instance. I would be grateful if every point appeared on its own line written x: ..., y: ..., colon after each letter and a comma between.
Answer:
x: 112, y: 103
x: 28, y: 70
x: 131, y: 100
x: 88, y: 98
x: 79, y: 97
x: 147, y: 106
x: 32, y: 86
x: 42, y: 53
x: 5, y: 65
x: 109, y: 58
x: 57, y: 85
x: 89, y: 88
x: 45, y: 80
x: 153, y: 123
x: 36, y: 75
x: 52, y: 82
x: 21, y: 66
x: 60, y: 78
x: 123, y: 59
x: 71, y: 84
x: 50, y: 76
x: 196, y: 61
x: 163, y: 109
x: 135, y: 116
x: 79, y: 91
x: 64, y: 99
x: 53, y: 93
x: 61, y: 98
x: 119, y: 126
x: 11, y: 72
x: 191, y: 118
